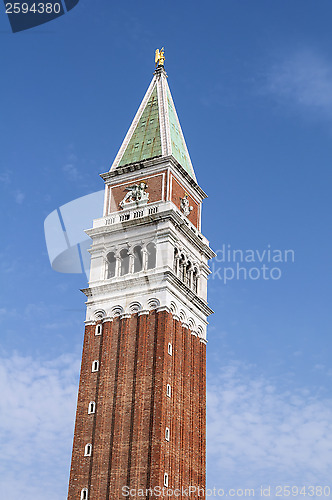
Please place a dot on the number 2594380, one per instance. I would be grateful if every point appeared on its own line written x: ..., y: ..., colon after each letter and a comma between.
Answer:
x: 35, y: 8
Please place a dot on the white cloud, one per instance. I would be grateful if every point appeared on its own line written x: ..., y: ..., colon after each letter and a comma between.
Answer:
x: 37, y: 408
x: 259, y: 434
x: 303, y: 78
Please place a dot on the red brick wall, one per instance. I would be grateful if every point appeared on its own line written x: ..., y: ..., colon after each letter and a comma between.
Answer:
x: 155, y: 189
x: 128, y: 429
x: 178, y: 192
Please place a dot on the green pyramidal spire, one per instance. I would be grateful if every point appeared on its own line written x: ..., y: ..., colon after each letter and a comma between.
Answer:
x: 155, y: 130
x: 145, y: 141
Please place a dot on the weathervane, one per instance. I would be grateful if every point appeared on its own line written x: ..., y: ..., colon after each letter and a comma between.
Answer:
x: 159, y: 57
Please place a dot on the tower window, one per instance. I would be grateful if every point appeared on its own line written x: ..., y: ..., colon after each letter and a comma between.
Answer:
x: 167, y: 433
x: 195, y: 280
x: 170, y: 349
x: 138, y: 259
x: 99, y: 329
x: 124, y: 256
x: 182, y: 266
x: 92, y: 407
x: 88, y: 450
x: 152, y: 258
x: 95, y: 366
x: 84, y: 494
x: 166, y: 479
x: 111, y: 262
x: 168, y: 390
x: 176, y: 260
x: 187, y: 274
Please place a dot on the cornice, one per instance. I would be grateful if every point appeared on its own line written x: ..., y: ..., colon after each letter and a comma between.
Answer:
x: 193, y: 298
x: 128, y: 315
x: 170, y: 214
x: 157, y: 280
x: 157, y: 161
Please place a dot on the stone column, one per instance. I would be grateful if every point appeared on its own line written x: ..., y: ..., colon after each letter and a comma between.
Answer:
x: 117, y: 264
x: 144, y: 258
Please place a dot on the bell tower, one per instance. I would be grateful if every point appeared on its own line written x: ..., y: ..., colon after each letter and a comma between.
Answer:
x: 140, y: 421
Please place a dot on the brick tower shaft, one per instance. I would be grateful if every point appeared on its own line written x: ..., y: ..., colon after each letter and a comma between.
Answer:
x: 140, y: 421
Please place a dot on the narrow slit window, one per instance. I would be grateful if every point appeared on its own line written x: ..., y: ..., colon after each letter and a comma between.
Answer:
x: 88, y: 450
x: 170, y: 349
x: 167, y: 434
x: 92, y: 407
x: 84, y: 494
x: 166, y: 479
x: 168, y: 390
x: 95, y: 366
x: 99, y: 330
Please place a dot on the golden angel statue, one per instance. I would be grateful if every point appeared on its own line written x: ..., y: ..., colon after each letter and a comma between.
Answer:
x: 159, y: 57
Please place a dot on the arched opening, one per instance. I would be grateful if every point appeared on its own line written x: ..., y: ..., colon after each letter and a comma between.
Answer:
x: 92, y: 407
x: 84, y: 494
x: 88, y: 450
x: 151, y: 250
x: 138, y: 259
x: 111, y: 262
x: 124, y: 256
x: 176, y: 261
x: 195, y: 280
x: 95, y: 366
x: 187, y: 274
x: 182, y: 266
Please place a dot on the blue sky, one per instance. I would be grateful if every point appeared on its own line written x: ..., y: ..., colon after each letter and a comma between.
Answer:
x: 252, y: 83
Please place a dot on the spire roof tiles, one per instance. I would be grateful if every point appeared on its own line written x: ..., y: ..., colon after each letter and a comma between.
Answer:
x: 155, y: 130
